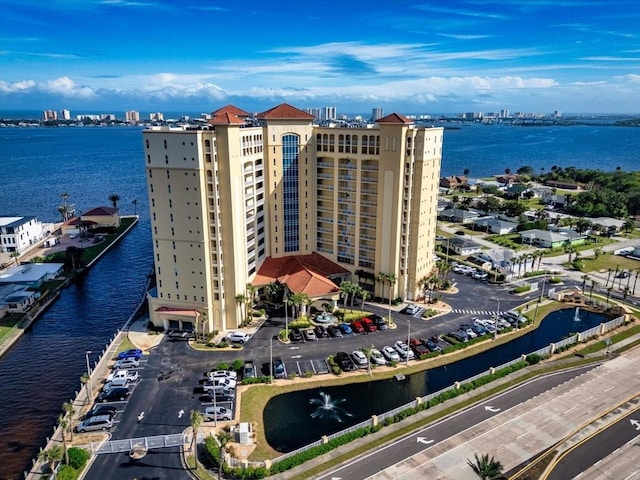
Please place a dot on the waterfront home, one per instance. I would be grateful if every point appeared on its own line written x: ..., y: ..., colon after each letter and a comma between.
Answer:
x: 31, y: 274
x: 16, y: 299
x: 546, y: 239
x: 18, y: 233
x: 99, y: 218
x: 456, y: 182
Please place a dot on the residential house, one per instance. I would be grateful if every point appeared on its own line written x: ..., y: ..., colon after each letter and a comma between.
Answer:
x: 547, y: 239
x: 101, y: 218
x: 457, y: 215
x: 564, y: 185
x: 557, y: 201
x: 516, y: 190
x: 455, y: 182
x: 508, y: 179
x: 495, y: 225
x: 31, y: 274
x: 609, y: 225
x: 18, y: 233
x: 462, y: 246
x: 16, y: 298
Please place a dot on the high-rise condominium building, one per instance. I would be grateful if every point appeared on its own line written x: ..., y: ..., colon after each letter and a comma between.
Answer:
x: 376, y: 113
x: 246, y: 203
x: 132, y: 116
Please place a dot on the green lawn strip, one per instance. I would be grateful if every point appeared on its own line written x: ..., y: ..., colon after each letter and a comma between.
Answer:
x: 609, y: 261
x: 125, y: 345
x: 406, y: 429
x: 7, y: 324
x: 201, y: 472
x: 618, y: 337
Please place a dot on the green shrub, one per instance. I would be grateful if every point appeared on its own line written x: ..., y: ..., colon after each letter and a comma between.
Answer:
x: 533, y: 358
x: 237, y: 365
x: 555, y: 280
x: 78, y: 457
x: 222, y: 366
x: 222, y: 345
x: 522, y: 289
x: 302, y: 322
x: 67, y: 472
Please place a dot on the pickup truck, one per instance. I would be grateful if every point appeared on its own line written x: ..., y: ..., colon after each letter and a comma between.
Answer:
x: 129, y: 375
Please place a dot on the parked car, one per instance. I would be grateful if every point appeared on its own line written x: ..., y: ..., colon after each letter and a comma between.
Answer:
x: 417, y: 347
x: 376, y: 357
x: 126, y: 363
x: 131, y: 353
x: 459, y: 232
x: 360, y: 359
x: 460, y: 335
x: 344, y: 362
x: 379, y: 322
x: 411, y: 309
x: 403, y: 350
x: 218, y: 383
x: 309, y: 335
x: 118, y: 382
x: 480, y: 275
x: 217, y: 413
x: 222, y: 395
x: 222, y: 374
x: 249, y: 370
x: 478, y: 329
x: 238, y: 337
x: 114, y: 394
x: 345, y: 329
x: 279, y: 371
x: 334, y: 331
x: 130, y: 375
x: 368, y: 325
x: 101, y: 410
x: 98, y: 422
x: 295, y: 335
x: 178, y: 335
x: 469, y: 331
x: 431, y: 345
x: 390, y: 354
x: 320, y: 331
x: 357, y: 327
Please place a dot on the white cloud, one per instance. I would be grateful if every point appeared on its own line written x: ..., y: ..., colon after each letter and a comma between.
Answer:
x: 67, y: 88
x: 16, y: 87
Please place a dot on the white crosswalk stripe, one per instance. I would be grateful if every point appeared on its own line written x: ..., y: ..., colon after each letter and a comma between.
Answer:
x: 474, y: 312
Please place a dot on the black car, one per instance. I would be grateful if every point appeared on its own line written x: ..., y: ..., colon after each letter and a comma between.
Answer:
x: 321, y: 332
x: 431, y: 345
x: 379, y: 321
x: 101, y: 410
x: 334, y: 331
x: 344, y: 362
x: 295, y: 335
x: 222, y: 395
x: 114, y: 394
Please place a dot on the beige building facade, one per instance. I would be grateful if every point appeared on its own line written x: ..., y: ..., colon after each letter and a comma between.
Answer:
x: 228, y: 196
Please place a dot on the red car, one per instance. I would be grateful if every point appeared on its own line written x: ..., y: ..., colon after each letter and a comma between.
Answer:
x: 418, y: 347
x: 357, y: 327
x: 368, y: 325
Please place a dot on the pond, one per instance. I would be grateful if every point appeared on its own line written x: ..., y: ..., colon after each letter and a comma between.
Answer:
x: 295, y: 419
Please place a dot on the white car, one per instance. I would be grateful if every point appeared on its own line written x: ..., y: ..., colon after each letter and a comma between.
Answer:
x: 359, y: 358
x: 238, y: 337
x: 390, y: 354
x: 126, y: 363
x: 376, y: 357
x: 130, y: 375
x: 411, y: 309
x: 222, y: 374
x: 403, y: 350
x: 217, y: 413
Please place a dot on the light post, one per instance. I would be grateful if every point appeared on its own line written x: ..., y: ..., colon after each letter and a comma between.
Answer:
x: 271, y: 360
x: 535, y: 315
x: 86, y: 356
x: 286, y: 315
x: 495, y: 332
x: 408, y: 340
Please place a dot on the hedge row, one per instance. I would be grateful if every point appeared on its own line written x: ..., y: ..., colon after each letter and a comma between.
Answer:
x: 78, y: 458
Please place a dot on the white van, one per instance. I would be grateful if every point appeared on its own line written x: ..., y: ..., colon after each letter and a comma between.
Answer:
x: 51, y: 242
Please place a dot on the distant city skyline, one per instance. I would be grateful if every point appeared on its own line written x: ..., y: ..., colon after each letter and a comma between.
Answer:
x: 580, y: 56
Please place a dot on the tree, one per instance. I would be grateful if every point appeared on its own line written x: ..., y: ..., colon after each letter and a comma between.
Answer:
x: 84, y: 379
x: 201, y: 321
x: 583, y: 225
x: 629, y: 225
x: 381, y: 278
x: 69, y: 411
x: 525, y: 170
x: 593, y: 284
x: 113, y: 198
x: 64, y: 423
x: 251, y: 296
x: 223, y: 438
x: 485, y: 467
x: 348, y: 289
x: 241, y: 299
x: 466, y: 172
x: 66, y: 209
x: 274, y: 292
x: 15, y: 256
x: 392, y: 279
x: 507, y: 171
x: 585, y: 278
x: 364, y: 295
x: 196, y: 420
x: 52, y: 456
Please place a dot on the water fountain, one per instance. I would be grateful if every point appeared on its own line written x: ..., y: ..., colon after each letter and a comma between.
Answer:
x: 576, y: 315
x: 328, y: 408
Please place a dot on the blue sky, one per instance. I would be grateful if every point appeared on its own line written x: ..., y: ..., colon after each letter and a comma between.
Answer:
x: 411, y: 57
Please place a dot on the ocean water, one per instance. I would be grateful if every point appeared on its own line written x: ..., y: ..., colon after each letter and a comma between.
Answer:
x: 89, y: 163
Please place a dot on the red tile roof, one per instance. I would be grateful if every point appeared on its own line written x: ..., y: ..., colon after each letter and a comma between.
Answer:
x: 284, y: 111
x: 301, y: 274
x: 231, y: 110
x: 395, y: 118
x: 226, y: 118
x: 100, y: 211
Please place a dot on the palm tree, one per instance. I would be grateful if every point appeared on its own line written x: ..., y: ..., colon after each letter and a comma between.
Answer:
x: 52, y: 456
x: 348, y: 288
x: 251, y: 296
x: 64, y: 423
x: 382, y: 278
x: 113, y: 198
x: 486, y: 468
x: 241, y: 299
x: 609, y: 293
x: 608, y: 276
x: 223, y: 437
x: 66, y: 210
x: 84, y: 379
x: 201, y: 321
x: 585, y: 278
x: 593, y: 284
x: 364, y: 295
x: 69, y: 411
x: 196, y: 420
x: 392, y: 279
x: 15, y: 256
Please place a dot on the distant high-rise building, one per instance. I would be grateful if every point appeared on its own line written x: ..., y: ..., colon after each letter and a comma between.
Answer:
x: 244, y: 203
x: 156, y: 117
x: 329, y: 113
x: 49, y: 115
x: 504, y: 113
x: 557, y: 114
x: 132, y: 116
x: 65, y: 114
x: 377, y: 114
x: 313, y: 111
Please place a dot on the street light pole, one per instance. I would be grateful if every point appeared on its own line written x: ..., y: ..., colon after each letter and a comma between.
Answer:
x: 86, y: 356
x: 271, y: 359
x: 408, y: 340
x: 286, y: 316
x: 495, y: 331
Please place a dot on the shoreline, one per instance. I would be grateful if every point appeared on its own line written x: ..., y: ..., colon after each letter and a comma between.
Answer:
x: 19, y: 329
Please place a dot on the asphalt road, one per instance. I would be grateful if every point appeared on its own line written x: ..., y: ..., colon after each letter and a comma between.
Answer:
x: 420, y: 440
x: 605, y: 442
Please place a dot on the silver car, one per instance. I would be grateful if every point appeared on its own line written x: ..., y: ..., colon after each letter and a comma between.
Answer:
x: 99, y: 422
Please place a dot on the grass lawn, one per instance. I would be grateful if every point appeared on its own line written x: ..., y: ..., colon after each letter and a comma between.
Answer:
x: 7, y: 324
x: 609, y: 261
